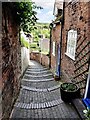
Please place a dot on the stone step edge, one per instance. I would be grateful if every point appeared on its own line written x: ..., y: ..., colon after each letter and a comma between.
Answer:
x: 37, y: 72
x: 38, y: 105
x: 44, y: 80
x: 38, y: 75
x: 38, y: 68
x: 40, y: 90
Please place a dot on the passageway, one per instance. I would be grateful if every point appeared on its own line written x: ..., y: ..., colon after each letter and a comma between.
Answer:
x: 40, y: 96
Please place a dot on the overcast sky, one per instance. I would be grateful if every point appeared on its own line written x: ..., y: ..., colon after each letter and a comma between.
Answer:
x: 45, y: 15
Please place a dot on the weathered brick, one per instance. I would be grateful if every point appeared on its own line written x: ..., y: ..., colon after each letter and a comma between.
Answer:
x: 37, y: 56
x: 76, y: 17
x: 10, y: 56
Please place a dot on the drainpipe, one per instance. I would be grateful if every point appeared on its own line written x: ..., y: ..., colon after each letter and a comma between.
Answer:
x: 50, y: 26
x: 62, y: 23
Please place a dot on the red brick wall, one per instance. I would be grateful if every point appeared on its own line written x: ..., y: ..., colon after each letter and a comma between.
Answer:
x: 76, y: 17
x: 11, y: 60
x: 44, y: 60
x: 56, y: 39
x: 35, y: 56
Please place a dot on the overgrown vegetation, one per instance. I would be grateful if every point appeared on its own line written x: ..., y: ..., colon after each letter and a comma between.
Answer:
x: 27, y: 20
x: 40, y: 29
x: 26, y: 14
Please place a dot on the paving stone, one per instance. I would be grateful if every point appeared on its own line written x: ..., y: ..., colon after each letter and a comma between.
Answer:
x: 47, y: 105
x: 39, y: 105
x: 54, y: 103
x: 33, y: 106
x: 27, y: 106
x: 39, y: 113
x: 36, y: 106
x: 51, y: 103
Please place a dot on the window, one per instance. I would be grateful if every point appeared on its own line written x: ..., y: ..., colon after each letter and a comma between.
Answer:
x: 53, y: 50
x: 71, y: 44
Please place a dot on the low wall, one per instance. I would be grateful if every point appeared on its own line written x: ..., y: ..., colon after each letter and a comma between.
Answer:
x: 41, y: 58
x: 35, y: 56
x: 45, y: 60
x: 24, y: 59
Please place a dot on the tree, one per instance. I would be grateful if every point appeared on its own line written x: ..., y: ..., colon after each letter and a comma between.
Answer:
x: 26, y: 14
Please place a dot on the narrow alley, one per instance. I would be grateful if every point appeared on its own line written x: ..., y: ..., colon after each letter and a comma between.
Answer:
x: 45, y: 60
x: 40, y: 96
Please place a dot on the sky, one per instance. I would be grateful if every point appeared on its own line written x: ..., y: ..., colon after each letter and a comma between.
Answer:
x: 45, y: 15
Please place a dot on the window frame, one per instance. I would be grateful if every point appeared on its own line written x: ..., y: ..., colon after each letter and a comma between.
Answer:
x: 72, y: 35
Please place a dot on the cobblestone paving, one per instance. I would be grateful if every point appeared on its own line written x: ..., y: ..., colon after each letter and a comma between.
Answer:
x: 40, y: 97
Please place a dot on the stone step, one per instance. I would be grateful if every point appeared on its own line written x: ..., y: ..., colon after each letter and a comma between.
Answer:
x: 37, y: 78
x: 40, y: 90
x: 41, y: 72
x: 38, y: 69
x: 42, y: 80
x: 50, y: 74
x: 38, y: 105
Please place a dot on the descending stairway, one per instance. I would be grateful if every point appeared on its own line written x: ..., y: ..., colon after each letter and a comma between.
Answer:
x: 40, y: 92
x: 39, y: 80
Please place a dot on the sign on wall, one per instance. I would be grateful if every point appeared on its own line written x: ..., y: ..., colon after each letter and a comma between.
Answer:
x: 71, y: 44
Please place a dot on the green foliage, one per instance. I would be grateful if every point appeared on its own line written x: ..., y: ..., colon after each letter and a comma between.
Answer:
x: 26, y: 14
x: 68, y: 87
x: 40, y: 29
x: 34, y: 47
x: 45, y: 52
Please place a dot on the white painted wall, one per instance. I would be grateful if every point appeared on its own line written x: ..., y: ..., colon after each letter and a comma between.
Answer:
x: 25, y: 58
x: 44, y: 44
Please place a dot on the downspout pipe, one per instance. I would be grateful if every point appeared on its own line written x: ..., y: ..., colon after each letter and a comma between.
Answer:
x: 62, y: 24
x: 50, y: 26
